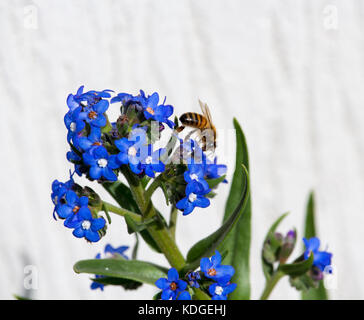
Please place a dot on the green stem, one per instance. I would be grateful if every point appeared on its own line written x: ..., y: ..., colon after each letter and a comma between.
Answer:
x: 157, y: 230
x: 271, y: 284
x: 153, y: 186
x: 173, y: 222
x: 122, y: 212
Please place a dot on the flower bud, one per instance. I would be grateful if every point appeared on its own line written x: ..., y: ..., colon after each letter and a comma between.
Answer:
x: 287, y: 246
x: 272, y: 247
x: 316, y: 274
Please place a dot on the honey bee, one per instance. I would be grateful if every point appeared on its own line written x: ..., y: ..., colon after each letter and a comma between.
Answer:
x: 200, y: 123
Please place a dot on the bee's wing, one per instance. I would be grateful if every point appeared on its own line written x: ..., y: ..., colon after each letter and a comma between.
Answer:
x: 206, y: 112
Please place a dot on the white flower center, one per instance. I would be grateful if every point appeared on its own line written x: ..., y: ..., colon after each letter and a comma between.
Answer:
x: 219, y: 290
x: 86, y: 224
x: 194, y: 176
x: 132, y: 152
x: 192, y: 197
x: 73, y: 126
x: 148, y: 160
x: 102, y: 163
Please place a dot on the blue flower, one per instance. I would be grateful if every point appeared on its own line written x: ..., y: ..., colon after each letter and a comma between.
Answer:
x: 101, y: 164
x: 92, y: 140
x: 196, y: 173
x: 321, y: 259
x: 194, y: 198
x: 214, y: 170
x: 73, y: 123
x: 171, y: 286
x: 157, y: 112
x: 132, y: 150
x: 85, y: 225
x: 59, y: 190
x: 192, y: 279
x: 73, y: 101
x: 94, y: 114
x: 92, y: 97
x: 214, y: 270
x: 152, y: 163
x: 185, y: 295
x: 127, y: 99
x: 219, y: 291
x: 116, y: 251
x: 72, y: 205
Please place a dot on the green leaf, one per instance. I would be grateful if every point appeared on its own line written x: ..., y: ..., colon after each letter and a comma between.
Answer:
x: 298, y: 268
x: 215, y: 182
x: 310, y: 231
x: 17, y: 297
x: 139, y: 271
x: 125, y: 283
x: 267, y: 266
x: 206, y: 246
x: 123, y: 196
x: 238, y: 241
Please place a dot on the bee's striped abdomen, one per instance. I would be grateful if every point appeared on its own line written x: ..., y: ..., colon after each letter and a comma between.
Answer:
x: 194, y: 120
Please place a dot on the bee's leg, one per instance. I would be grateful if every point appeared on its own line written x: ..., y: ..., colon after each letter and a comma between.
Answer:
x: 180, y: 128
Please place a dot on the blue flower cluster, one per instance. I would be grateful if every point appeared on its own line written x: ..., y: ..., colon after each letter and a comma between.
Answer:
x: 321, y: 259
x: 75, y: 211
x: 95, y: 147
x: 109, y: 250
x: 173, y: 288
x: 100, y: 149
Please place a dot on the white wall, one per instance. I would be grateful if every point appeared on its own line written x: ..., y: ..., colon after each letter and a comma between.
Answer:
x: 290, y: 71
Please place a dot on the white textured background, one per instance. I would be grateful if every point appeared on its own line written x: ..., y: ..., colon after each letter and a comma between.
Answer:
x: 291, y: 71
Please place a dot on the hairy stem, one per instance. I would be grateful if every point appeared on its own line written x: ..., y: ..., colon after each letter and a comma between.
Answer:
x: 173, y: 222
x: 271, y: 284
x: 157, y: 230
x: 122, y: 212
x: 153, y: 186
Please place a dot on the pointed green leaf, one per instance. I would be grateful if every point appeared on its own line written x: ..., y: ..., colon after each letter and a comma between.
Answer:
x: 238, y: 241
x: 215, y: 182
x: 206, y: 246
x: 297, y: 268
x: 139, y: 271
x: 310, y: 231
x: 268, y: 267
